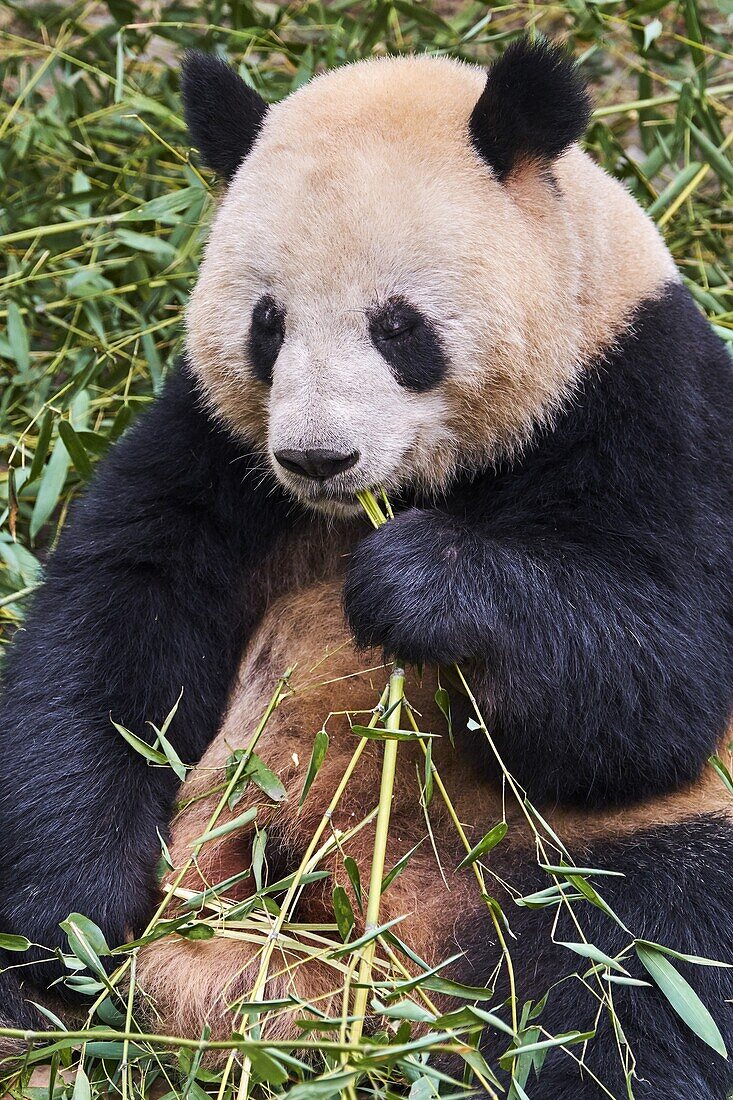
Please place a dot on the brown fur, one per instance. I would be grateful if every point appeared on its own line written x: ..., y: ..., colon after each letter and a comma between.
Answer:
x: 191, y: 983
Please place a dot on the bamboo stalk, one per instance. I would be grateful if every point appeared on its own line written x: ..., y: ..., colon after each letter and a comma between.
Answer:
x: 305, y: 863
x: 389, y: 764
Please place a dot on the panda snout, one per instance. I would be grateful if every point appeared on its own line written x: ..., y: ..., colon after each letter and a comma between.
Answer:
x: 316, y: 463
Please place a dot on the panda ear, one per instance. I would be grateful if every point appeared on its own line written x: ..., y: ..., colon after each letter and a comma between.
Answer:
x: 223, y: 114
x: 535, y: 104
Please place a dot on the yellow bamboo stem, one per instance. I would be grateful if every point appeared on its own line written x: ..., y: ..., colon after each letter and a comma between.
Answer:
x: 394, y: 710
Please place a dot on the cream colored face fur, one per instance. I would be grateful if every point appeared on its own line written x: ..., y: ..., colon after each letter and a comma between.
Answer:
x: 363, y: 185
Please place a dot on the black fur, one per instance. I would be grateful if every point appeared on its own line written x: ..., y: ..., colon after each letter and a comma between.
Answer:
x: 154, y: 587
x: 590, y: 583
x: 410, y: 343
x: 266, y: 335
x: 535, y: 104
x: 223, y: 114
x: 677, y: 892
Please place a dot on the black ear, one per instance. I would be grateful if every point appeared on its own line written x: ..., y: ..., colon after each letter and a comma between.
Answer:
x: 222, y: 113
x: 534, y: 105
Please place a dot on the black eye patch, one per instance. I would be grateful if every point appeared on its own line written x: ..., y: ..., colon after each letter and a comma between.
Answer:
x: 266, y: 335
x: 410, y: 344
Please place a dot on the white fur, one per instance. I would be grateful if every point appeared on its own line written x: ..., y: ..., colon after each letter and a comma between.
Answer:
x: 363, y: 185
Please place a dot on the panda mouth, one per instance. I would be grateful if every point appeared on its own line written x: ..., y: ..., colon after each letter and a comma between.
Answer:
x: 325, y: 498
x: 323, y: 495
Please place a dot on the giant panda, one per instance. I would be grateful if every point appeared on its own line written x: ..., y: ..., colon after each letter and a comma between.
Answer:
x: 415, y: 280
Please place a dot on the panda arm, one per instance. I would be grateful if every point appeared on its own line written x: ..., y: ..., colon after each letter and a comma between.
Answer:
x: 152, y: 591
x: 596, y: 668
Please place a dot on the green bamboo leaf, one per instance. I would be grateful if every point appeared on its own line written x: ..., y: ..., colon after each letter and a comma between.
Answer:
x: 229, y: 827
x: 82, y: 1088
x: 718, y: 161
x: 697, y: 960
x: 171, y: 755
x: 442, y: 700
x: 551, y: 895
x: 267, y: 1065
x: 165, y: 854
x: 164, y: 208
x: 373, y: 734
x: 169, y: 752
x: 404, y: 1010
x: 44, y: 440
x: 356, y: 945
x: 716, y: 763
x: 569, y: 871
x: 328, y: 1087
x: 592, y: 895
x: 86, y: 941
x: 352, y: 871
x: 9, y: 942
x: 155, y: 756
x: 51, y: 486
x: 318, y: 755
x: 456, y: 989
x: 259, y: 845
x: 141, y: 242
x: 589, y: 951
x: 18, y: 337
x: 285, y: 883
x: 682, y: 997
x: 492, y: 838
x: 342, y: 911
x: 395, y: 989
x: 399, y: 866
x: 197, y: 931
x: 75, y: 447
x: 568, y: 1038
x: 675, y: 188
x: 428, y: 789
x: 265, y: 779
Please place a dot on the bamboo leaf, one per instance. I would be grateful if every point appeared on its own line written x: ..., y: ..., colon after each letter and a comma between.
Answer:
x: 318, y: 755
x: 682, y: 997
x: 75, y: 447
x: 82, y: 1088
x: 492, y: 838
x: 372, y: 934
x: 155, y: 756
x: 342, y: 911
x: 588, y: 951
x: 373, y: 734
x: 9, y: 942
x: 228, y: 827
x: 86, y: 941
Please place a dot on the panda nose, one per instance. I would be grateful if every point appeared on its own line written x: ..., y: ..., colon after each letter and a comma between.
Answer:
x: 317, y: 463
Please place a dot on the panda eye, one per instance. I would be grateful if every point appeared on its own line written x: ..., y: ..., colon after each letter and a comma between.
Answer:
x: 267, y: 315
x: 266, y: 335
x: 393, y: 320
x: 410, y: 343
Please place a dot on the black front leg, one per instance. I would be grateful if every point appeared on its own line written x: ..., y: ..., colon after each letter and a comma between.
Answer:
x: 153, y: 589
x: 592, y: 662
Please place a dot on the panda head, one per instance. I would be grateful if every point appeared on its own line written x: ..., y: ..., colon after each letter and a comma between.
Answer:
x: 396, y: 284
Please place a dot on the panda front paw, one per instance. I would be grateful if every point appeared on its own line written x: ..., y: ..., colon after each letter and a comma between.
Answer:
x: 399, y: 593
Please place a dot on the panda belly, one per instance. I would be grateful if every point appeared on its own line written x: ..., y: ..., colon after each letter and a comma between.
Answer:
x: 194, y: 983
